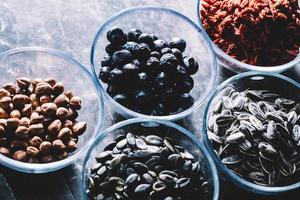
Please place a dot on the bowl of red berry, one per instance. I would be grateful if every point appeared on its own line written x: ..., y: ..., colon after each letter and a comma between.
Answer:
x: 153, y: 62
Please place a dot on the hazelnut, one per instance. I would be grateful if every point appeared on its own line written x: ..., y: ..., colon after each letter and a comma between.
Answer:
x: 45, y: 99
x: 61, y: 101
x: 15, y: 114
x: 36, y: 129
x: 5, y: 151
x: 32, y: 151
x: 35, y: 141
x: 20, y: 100
x: 20, y: 155
x: 43, y: 88
x: 58, y: 88
x: 62, y: 113
x: 64, y: 134
x: 75, y: 103
x: 49, y: 109
x: 22, y: 132
x: 11, y: 88
x: 79, y: 128
x: 54, y: 127
x: 45, y: 147
x: 4, y: 93
x: 23, y: 83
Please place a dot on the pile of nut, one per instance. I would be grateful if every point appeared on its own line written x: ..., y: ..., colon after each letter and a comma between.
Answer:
x: 38, y: 121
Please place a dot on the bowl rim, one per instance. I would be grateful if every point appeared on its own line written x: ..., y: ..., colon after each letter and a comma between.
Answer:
x: 54, y: 166
x: 245, y: 66
x: 240, y: 182
x: 187, y: 133
x: 131, y: 113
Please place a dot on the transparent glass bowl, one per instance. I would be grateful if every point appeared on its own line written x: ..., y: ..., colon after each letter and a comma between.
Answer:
x: 166, y: 24
x: 254, y: 80
x: 35, y: 62
x: 179, y: 135
x: 237, y: 66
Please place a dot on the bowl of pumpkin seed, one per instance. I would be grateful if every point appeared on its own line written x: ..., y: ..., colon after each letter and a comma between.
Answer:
x: 148, y: 159
x: 252, y: 131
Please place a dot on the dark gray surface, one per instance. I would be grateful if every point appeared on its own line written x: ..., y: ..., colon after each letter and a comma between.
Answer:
x: 70, y: 26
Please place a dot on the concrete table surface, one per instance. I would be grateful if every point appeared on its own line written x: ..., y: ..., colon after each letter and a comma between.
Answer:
x: 70, y: 26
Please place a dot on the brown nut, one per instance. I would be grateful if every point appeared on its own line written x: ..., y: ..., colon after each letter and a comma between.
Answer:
x: 26, y: 111
x: 62, y: 113
x: 64, y: 134
x: 50, y: 138
x: 32, y: 151
x: 20, y: 155
x: 49, y: 109
x: 45, y: 99
x: 54, y: 127
x: 24, y: 121
x: 11, y: 88
x: 33, y: 160
x: 79, y: 128
x: 23, y: 83
x: 38, y: 109
x: 20, y: 100
x: 62, y: 155
x: 68, y: 124
x: 3, y: 114
x: 51, y: 81
x: 36, y: 129
x: 22, y: 132
x: 68, y: 94
x: 3, y: 123
x: 5, y: 103
x: 4, y: 93
x: 61, y: 101
x: 15, y: 114
x: 35, y: 118
x: 47, y: 158
x: 73, y: 114
x: 71, y: 146
x: 43, y: 88
x: 58, y: 88
x: 18, y: 144
x: 12, y: 123
x: 5, y: 151
x: 75, y: 102
x: 45, y: 147
x: 35, y: 141
x: 58, y: 145
x: 35, y: 82
x: 33, y: 100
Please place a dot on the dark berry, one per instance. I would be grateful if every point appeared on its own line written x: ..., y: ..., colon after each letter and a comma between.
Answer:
x: 155, y: 54
x: 178, y: 54
x: 161, y: 80
x: 112, y: 90
x: 166, y: 50
x: 190, y: 65
x: 130, y: 70
x: 110, y: 49
x: 186, y: 100
x: 153, y: 64
x: 106, y: 61
x: 167, y: 95
x: 116, y: 36
x: 131, y: 46
x: 142, y: 97
x: 154, y: 37
x: 121, y: 99
x: 178, y: 43
x: 184, y: 85
x: 160, y: 44
x: 137, y: 63
x: 116, y: 76
x: 146, y: 38
x: 104, y: 74
x: 181, y: 70
x: 143, y: 79
x: 121, y: 57
x: 168, y: 62
x: 143, y: 51
x: 134, y: 34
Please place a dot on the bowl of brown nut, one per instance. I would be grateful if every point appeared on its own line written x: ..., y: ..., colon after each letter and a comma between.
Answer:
x: 51, y: 108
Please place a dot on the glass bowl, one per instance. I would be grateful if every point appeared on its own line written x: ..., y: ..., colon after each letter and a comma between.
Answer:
x: 253, y: 80
x: 180, y: 136
x: 167, y: 24
x: 35, y: 62
x: 237, y: 66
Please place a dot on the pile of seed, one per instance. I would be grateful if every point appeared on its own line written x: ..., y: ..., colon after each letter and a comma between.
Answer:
x: 38, y: 120
x: 257, y: 32
x: 256, y: 134
x: 147, y: 74
x: 146, y: 167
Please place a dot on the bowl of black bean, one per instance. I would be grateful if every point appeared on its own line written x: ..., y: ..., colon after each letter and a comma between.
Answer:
x: 252, y: 131
x: 153, y: 62
x: 148, y: 159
